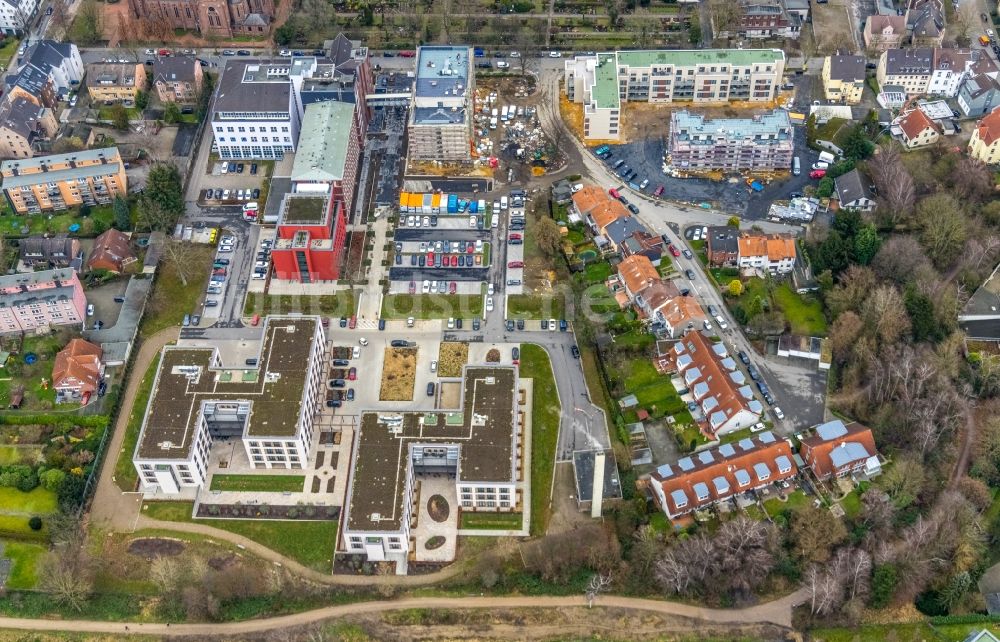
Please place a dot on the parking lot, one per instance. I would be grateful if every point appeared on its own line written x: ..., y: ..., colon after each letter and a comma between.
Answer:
x: 232, y: 183
x: 222, y: 303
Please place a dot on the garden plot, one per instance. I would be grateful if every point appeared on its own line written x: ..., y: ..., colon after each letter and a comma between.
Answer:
x: 399, y: 373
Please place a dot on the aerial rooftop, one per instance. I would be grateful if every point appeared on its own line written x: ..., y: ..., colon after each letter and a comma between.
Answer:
x: 298, y: 208
x: 442, y: 71
x: 189, y: 377
x: 772, y: 124
x: 322, y: 153
x: 483, y: 428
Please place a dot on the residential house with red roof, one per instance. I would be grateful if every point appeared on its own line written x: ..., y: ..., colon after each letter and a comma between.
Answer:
x: 836, y: 450
x: 112, y: 251
x: 636, y: 273
x: 720, y: 473
x: 916, y: 130
x: 716, y: 384
x: 772, y: 252
x: 985, y: 142
x: 596, y: 206
x: 77, y: 372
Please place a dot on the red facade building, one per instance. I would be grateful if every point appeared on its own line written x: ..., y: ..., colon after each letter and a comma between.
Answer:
x: 310, y: 239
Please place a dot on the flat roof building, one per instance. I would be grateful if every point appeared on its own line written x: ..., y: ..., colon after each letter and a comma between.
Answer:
x: 601, y: 82
x: 269, y: 406
x: 761, y: 142
x: 478, y: 445
x: 33, y: 302
x: 60, y: 181
x: 440, y: 126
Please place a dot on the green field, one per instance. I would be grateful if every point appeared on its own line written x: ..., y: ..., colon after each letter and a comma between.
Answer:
x: 259, y: 483
x: 432, y: 306
x: 25, y: 557
x: 545, y: 412
x: 309, y: 543
x: 795, y: 501
x: 529, y: 306
x: 125, y: 473
x: 803, y: 312
x: 38, y: 502
x: 331, y: 305
x: 172, y: 298
x: 14, y: 454
x: 492, y: 521
x: 902, y: 632
x: 653, y: 390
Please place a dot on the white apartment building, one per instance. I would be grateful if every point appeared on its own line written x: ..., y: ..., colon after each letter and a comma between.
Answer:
x: 601, y: 82
x: 15, y: 15
x: 774, y: 253
x: 479, y: 446
x: 951, y: 68
x: 197, y: 398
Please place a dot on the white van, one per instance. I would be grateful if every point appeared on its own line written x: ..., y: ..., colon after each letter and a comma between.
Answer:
x: 503, y: 202
x: 496, y: 221
x: 821, y: 165
x: 796, y: 166
x: 827, y: 157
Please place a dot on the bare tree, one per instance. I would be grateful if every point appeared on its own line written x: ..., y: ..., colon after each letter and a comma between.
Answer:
x: 885, y: 315
x: 943, y: 227
x: 598, y: 584
x: 962, y: 22
x: 896, y: 191
x: 67, y: 574
x: 180, y: 255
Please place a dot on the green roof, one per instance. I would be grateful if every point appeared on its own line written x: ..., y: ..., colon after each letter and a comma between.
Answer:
x: 304, y: 209
x: 605, y: 91
x: 687, y: 57
x: 322, y: 152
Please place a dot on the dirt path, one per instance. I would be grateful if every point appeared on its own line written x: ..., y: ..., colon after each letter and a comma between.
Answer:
x: 962, y: 465
x: 777, y: 612
x: 111, y: 508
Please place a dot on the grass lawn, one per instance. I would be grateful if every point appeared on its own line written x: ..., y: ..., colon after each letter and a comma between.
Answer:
x: 653, y: 390
x: 529, y: 306
x: 36, y: 395
x: 332, y: 305
x: 259, y: 483
x: 106, y: 113
x: 125, y: 473
x: 735, y: 436
x: 635, y: 338
x: 690, y: 438
x: 101, y: 216
x: 16, y: 526
x: 432, y: 306
x: 487, y: 247
x: 598, y: 272
x: 545, y: 411
x: 851, y: 504
x: 14, y: 454
x: 492, y: 521
x: 25, y: 557
x: 795, y: 501
x: 38, y: 502
x: 901, y: 632
x: 309, y: 543
x: 8, y: 50
x: 804, y: 313
x: 172, y: 298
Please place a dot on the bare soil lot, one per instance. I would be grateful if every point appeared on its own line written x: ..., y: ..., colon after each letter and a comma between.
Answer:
x: 399, y: 372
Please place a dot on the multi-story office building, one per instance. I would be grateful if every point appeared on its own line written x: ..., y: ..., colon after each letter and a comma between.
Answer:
x: 731, y: 144
x: 603, y: 81
x: 440, y: 126
x: 256, y: 114
x: 61, y: 181
x: 115, y: 82
x: 35, y: 301
x: 310, y: 239
x: 478, y: 445
x: 328, y: 159
x: 197, y: 398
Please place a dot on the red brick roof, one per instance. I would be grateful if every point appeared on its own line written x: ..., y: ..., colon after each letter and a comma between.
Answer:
x: 718, y: 473
x: 817, y: 449
x: 914, y: 123
x: 79, y: 360
x: 989, y: 127
x: 714, y: 381
x: 637, y: 272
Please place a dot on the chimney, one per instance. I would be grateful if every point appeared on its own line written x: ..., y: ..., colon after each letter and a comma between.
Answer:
x: 597, y: 494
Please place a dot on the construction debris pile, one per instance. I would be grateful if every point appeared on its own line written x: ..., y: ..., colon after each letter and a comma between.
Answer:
x: 510, y: 132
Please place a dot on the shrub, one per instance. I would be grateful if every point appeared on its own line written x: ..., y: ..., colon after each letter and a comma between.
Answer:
x: 35, y: 523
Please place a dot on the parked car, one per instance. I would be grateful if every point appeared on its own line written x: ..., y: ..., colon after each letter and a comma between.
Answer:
x: 817, y: 173
x: 575, y: 352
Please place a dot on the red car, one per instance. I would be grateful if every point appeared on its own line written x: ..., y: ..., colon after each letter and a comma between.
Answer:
x: 430, y: 259
x: 659, y: 190
x: 614, y: 193
x: 470, y: 248
x: 515, y: 236
x: 163, y: 52
x: 674, y: 250
x: 413, y: 287
x: 407, y: 54
x: 452, y: 287
x: 353, y: 323
x: 817, y: 173
x: 352, y: 374
x: 516, y: 264
x: 454, y: 260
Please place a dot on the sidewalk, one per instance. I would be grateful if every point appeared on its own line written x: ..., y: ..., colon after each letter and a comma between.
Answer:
x: 370, y: 305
